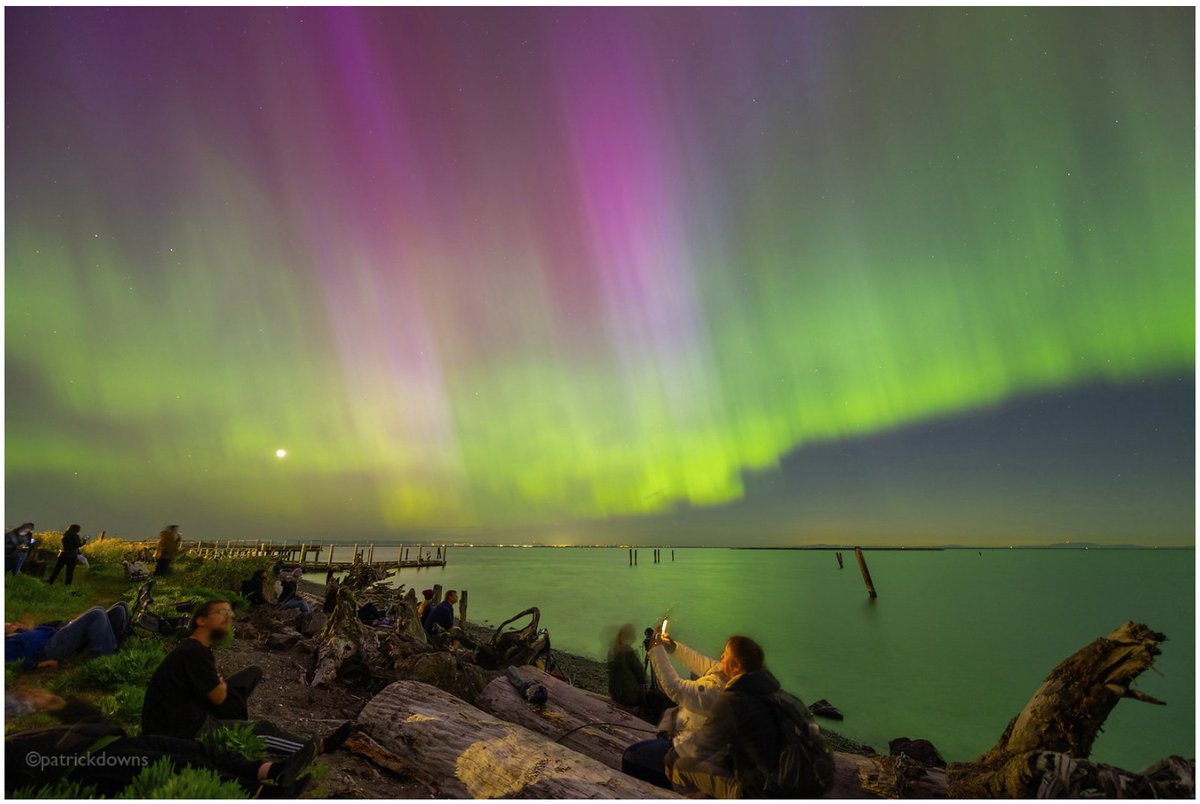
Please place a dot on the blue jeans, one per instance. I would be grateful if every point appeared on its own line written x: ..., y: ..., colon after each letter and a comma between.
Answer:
x: 17, y: 561
x: 647, y: 761
x: 296, y: 603
x: 95, y: 631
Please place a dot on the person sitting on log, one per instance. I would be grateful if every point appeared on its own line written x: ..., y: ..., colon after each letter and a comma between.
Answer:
x: 425, y: 604
x: 758, y: 742
x: 441, y: 615
x: 694, y: 699
x: 626, y: 675
x: 288, y: 598
x: 187, y: 696
x: 96, y: 631
x: 252, y: 589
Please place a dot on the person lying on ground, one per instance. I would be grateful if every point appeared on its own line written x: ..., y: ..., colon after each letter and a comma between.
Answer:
x: 96, y: 631
x: 694, y: 699
x: 187, y: 696
x: 103, y: 756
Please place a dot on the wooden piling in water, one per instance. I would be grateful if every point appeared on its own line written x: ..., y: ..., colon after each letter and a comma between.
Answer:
x: 672, y: 555
x: 635, y: 558
x: 631, y: 556
x: 866, y: 573
x: 462, y: 609
x: 330, y: 555
x: 839, y: 558
x: 437, y: 594
x: 371, y: 554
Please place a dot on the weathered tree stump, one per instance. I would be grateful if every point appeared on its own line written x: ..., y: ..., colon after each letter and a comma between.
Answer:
x: 461, y: 751
x: 1049, y: 741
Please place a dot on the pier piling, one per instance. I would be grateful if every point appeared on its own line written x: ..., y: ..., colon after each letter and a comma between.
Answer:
x: 866, y: 573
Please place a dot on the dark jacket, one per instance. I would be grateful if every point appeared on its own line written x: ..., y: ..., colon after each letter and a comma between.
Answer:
x: 743, y: 733
x: 70, y: 544
x: 626, y: 675
x: 16, y: 542
x: 442, y: 614
x: 27, y: 647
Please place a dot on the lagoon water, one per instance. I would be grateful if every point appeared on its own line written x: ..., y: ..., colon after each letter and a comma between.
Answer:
x: 955, y: 645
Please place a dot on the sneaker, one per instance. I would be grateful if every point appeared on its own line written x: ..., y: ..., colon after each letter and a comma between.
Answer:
x: 336, y: 738
x: 285, y: 772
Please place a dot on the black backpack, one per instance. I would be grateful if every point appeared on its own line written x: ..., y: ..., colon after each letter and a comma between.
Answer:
x: 805, y: 767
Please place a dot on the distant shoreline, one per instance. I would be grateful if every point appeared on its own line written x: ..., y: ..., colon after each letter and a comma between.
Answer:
x: 849, y: 547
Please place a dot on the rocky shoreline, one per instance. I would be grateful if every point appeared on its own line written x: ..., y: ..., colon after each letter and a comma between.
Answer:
x: 278, y: 642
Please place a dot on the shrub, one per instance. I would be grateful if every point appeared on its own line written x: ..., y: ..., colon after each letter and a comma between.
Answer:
x: 161, y: 780
x: 235, y: 739
x: 219, y: 573
x: 125, y: 704
x: 133, y: 664
x: 110, y: 552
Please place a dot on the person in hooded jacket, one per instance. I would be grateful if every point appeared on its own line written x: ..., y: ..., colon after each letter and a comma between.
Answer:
x: 694, y: 699
x: 741, y: 742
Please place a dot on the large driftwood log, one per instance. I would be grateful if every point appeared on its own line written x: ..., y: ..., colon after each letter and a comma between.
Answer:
x: 1045, y: 747
x: 568, y: 708
x: 580, y: 720
x: 461, y: 751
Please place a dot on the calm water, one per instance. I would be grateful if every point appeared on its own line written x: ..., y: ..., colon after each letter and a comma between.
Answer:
x: 953, y: 648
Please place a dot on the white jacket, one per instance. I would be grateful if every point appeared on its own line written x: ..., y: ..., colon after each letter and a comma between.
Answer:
x: 694, y: 698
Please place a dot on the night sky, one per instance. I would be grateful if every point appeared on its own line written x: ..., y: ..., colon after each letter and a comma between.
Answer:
x: 718, y: 276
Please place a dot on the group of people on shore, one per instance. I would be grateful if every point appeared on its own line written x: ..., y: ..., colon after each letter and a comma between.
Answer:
x: 19, y: 544
x: 276, y: 587
x: 732, y: 732
x: 186, y: 698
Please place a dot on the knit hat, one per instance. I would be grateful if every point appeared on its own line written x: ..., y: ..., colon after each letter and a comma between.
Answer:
x: 297, y: 572
x: 428, y: 593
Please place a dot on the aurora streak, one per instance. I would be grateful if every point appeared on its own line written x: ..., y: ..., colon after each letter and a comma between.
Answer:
x: 519, y: 267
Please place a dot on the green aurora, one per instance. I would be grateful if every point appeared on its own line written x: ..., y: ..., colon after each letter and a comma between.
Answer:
x: 626, y: 266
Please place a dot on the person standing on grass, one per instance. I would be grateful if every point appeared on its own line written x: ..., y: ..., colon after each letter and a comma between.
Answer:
x: 68, y: 557
x: 17, y: 544
x: 187, y: 697
x: 169, y: 541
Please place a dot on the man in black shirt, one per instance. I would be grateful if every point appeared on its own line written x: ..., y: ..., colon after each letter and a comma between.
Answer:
x: 187, y: 696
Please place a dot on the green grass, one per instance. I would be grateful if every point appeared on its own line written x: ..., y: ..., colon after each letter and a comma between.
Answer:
x: 31, y: 600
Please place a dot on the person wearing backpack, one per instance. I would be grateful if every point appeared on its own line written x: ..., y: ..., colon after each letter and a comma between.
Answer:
x: 759, y: 742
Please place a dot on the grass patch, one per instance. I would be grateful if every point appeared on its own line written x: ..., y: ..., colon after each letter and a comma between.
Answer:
x: 62, y: 789
x: 134, y: 663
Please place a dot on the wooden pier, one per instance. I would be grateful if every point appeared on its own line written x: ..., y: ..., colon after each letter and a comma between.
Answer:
x: 317, y: 557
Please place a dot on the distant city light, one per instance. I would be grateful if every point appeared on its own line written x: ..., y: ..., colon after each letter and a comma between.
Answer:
x: 281, y: 453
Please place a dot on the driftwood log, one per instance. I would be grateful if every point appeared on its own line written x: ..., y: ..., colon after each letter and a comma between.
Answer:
x: 461, y: 751
x: 584, y: 721
x: 566, y: 715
